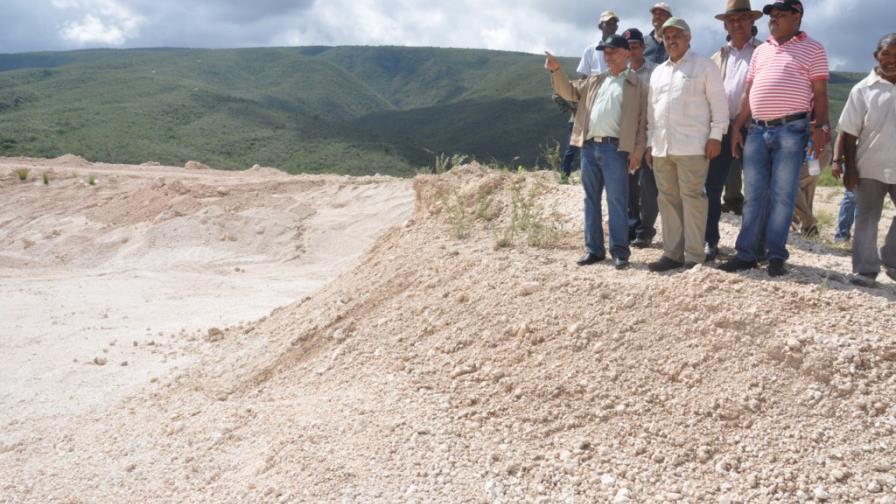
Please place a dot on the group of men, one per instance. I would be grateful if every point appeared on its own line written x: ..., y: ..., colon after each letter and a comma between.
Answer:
x: 664, y: 131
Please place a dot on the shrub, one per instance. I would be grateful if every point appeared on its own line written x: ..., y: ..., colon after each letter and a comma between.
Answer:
x: 23, y: 174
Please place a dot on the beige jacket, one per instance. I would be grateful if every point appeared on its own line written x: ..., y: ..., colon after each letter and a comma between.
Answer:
x: 720, y: 58
x: 633, y: 134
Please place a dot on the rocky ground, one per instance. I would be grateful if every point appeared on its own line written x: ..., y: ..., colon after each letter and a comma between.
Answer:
x: 465, y: 358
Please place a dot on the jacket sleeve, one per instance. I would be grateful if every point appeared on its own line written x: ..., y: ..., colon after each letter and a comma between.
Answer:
x: 569, y: 91
x: 718, y: 102
x: 641, y: 137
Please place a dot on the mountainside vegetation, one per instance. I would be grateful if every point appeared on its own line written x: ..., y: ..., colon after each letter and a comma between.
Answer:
x: 354, y: 110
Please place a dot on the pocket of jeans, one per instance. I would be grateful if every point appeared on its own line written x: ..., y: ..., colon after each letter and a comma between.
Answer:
x: 801, y: 126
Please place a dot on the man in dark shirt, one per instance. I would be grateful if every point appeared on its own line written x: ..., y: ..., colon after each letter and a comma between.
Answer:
x: 654, y: 50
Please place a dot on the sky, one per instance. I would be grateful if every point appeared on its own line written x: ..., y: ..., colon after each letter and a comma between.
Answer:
x: 848, y: 29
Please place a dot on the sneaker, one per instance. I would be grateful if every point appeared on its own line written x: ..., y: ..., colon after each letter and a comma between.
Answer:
x: 642, y: 242
x: 776, y: 268
x: 664, y: 264
x: 734, y: 264
x: 841, y: 239
x: 619, y: 263
x: 863, y: 279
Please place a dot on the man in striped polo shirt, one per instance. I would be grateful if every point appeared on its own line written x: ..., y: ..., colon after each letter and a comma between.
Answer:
x: 786, y: 86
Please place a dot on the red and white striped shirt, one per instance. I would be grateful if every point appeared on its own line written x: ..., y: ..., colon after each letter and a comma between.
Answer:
x: 782, y: 76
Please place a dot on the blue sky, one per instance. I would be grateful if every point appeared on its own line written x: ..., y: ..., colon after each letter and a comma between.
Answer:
x: 847, y: 28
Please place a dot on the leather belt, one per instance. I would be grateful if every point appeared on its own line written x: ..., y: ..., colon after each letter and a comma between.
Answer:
x: 604, y: 140
x: 782, y: 120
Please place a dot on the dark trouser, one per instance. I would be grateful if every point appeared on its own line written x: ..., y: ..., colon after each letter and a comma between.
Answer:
x: 642, y: 203
x: 866, y: 257
x: 719, y: 168
x: 569, y: 156
x: 734, y: 198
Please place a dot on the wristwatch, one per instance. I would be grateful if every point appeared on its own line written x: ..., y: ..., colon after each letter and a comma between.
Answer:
x: 825, y: 127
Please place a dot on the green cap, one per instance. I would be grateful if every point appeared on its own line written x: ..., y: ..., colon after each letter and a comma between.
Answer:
x: 675, y: 22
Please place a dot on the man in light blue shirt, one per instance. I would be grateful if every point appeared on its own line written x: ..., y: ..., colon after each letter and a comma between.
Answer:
x: 611, y: 127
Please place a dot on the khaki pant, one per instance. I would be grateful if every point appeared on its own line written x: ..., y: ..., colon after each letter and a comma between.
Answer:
x: 802, y: 213
x: 683, y: 205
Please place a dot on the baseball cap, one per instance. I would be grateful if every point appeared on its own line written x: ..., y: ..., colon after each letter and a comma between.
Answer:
x: 608, y: 15
x: 662, y: 6
x: 633, y: 34
x: 615, y: 41
x: 791, y: 5
x: 675, y: 22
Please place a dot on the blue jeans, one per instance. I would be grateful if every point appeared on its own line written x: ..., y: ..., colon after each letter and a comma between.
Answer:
x: 569, y: 156
x: 772, y: 159
x: 603, y: 165
x: 847, y: 215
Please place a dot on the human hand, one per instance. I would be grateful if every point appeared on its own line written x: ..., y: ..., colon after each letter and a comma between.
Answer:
x: 648, y: 157
x: 737, y: 143
x: 633, y: 164
x: 550, y: 62
x: 837, y: 169
x: 713, y: 148
x: 820, y: 139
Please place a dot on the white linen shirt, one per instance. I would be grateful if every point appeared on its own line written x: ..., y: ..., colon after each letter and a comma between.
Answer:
x: 870, y: 116
x: 686, y: 106
x: 593, y: 61
x: 736, y: 75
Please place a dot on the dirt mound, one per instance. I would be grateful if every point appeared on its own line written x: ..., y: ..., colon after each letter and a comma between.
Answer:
x: 196, y: 165
x: 71, y: 160
x: 467, y: 359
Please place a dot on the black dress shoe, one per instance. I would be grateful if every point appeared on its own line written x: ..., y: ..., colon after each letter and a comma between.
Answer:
x: 664, y: 264
x: 736, y: 264
x: 587, y: 259
x: 620, y: 264
x: 642, y: 242
x: 711, y: 251
x: 776, y: 268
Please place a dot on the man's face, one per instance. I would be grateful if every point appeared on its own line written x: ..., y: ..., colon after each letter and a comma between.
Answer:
x: 637, y: 50
x: 739, y: 26
x: 609, y: 26
x: 659, y: 17
x: 677, y: 42
x: 886, y: 59
x: 783, y: 23
x: 616, y: 57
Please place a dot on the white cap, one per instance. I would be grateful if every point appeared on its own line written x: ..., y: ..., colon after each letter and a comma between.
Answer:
x: 663, y: 6
x: 608, y: 15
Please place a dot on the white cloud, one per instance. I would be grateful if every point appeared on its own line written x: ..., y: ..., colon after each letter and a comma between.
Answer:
x: 104, y: 22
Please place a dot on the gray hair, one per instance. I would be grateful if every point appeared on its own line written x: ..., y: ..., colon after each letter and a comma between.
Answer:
x: 884, y: 42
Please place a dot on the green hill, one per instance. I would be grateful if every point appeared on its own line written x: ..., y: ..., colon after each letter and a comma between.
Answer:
x: 309, y: 109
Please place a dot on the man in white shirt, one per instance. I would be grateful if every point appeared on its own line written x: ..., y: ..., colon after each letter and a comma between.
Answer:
x: 687, y: 117
x: 593, y: 60
x: 733, y: 59
x: 868, y: 128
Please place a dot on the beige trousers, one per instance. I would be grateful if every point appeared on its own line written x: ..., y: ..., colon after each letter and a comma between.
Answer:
x: 681, y: 181
x: 802, y: 213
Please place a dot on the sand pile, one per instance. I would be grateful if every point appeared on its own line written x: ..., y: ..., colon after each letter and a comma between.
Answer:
x: 71, y: 160
x: 467, y: 359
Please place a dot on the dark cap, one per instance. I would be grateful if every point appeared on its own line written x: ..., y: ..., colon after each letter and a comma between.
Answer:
x: 791, y: 5
x: 633, y: 34
x: 615, y: 41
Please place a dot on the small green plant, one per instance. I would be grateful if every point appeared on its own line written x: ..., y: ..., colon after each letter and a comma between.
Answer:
x: 443, y: 162
x: 46, y: 178
x: 91, y: 179
x: 528, y: 218
x: 825, y: 220
x: 23, y: 174
x: 452, y: 203
x: 552, y: 156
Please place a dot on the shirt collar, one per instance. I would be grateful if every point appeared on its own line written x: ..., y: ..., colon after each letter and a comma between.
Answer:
x: 875, y: 78
x: 748, y: 47
x: 799, y: 37
x: 684, y: 59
